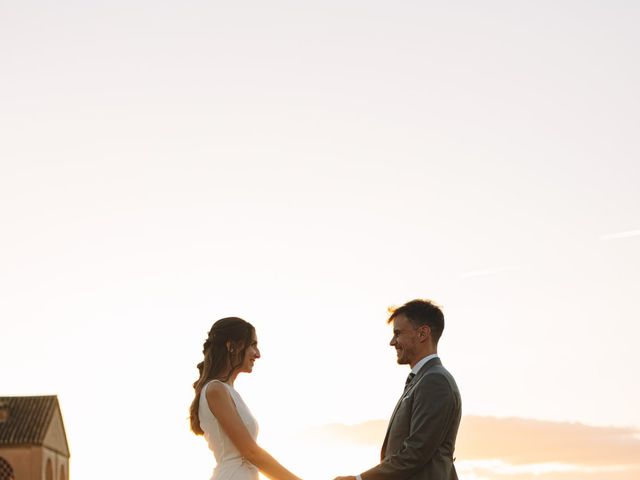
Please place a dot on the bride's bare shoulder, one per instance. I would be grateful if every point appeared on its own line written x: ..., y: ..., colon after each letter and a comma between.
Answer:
x: 217, y: 389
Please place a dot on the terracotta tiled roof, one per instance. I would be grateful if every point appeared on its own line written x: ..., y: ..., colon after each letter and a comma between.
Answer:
x: 28, y: 419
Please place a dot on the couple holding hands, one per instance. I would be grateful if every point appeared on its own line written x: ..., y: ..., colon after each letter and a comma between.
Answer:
x: 420, y: 439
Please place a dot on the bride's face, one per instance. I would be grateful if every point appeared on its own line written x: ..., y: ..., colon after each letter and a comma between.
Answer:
x: 251, y: 353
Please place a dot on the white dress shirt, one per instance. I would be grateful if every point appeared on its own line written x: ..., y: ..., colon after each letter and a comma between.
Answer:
x: 416, y: 368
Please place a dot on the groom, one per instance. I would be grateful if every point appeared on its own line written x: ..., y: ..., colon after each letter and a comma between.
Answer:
x: 421, y: 435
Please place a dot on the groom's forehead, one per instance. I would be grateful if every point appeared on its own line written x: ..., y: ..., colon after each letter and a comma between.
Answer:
x: 401, y: 322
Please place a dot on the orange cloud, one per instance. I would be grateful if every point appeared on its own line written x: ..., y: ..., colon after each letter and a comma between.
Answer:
x: 518, y: 441
x: 521, y: 449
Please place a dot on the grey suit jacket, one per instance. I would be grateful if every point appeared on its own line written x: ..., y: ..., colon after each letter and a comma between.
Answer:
x: 421, y: 436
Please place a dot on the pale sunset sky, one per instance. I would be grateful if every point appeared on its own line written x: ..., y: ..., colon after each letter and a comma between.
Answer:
x: 305, y: 165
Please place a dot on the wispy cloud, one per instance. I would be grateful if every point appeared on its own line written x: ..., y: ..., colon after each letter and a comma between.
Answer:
x: 486, y: 272
x: 495, y: 470
x: 615, y: 236
x: 367, y: 433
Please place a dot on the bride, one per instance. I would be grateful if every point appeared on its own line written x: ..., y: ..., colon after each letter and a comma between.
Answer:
x: 219, y: 413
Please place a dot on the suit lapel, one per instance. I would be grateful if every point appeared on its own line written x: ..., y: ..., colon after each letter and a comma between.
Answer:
x: 431, y: 363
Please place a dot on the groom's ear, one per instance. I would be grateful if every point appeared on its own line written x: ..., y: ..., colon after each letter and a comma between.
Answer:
x: 424, y: 333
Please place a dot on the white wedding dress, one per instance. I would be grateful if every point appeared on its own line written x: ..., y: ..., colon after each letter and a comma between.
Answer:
x: 230, y: 463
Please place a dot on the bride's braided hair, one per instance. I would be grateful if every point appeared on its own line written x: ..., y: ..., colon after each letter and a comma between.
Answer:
x: 219, y: 363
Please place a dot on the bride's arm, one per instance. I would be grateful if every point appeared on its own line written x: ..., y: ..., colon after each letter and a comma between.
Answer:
x: 222, y: 406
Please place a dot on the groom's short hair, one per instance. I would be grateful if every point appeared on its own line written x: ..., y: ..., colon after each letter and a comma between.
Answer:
x: 421, y: 312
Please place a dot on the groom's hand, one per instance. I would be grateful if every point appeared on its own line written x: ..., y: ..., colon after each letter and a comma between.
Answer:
x: 345, y: 478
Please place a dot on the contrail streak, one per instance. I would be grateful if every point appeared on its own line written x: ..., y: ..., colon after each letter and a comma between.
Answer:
x: 614, y: 236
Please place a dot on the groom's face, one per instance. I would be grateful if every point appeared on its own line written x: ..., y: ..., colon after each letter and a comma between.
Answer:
x: 405, y: 340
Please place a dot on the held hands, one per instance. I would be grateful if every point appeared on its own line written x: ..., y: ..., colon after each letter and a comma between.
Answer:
x: 345, y: 478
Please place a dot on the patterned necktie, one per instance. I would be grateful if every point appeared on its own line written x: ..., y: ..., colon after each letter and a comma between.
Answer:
x: 409, y: 378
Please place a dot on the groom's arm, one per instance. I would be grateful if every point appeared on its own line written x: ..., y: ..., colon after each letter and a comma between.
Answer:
x: 433, y: 411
